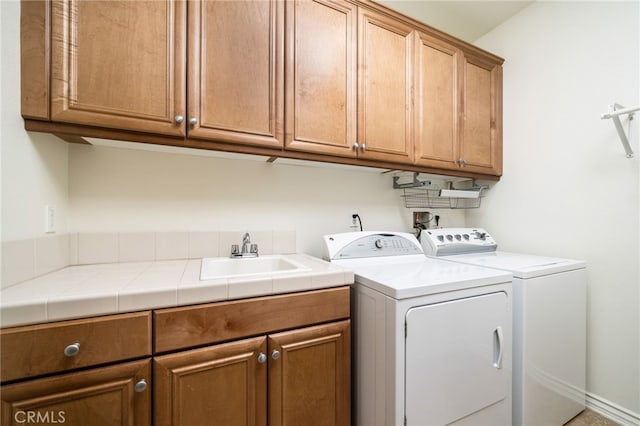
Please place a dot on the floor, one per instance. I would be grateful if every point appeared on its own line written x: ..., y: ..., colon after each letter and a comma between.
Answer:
x: 590, y: 418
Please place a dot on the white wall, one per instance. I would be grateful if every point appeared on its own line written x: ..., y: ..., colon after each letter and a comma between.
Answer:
x: 568, y: 189
x: 34, y: 166
x: 115, y: 189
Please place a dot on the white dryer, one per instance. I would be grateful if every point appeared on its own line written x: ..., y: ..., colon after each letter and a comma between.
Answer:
x: 432, y: 339
x: 549, y: 322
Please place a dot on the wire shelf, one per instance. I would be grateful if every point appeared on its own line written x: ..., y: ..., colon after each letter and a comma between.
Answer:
x: 430, y: 198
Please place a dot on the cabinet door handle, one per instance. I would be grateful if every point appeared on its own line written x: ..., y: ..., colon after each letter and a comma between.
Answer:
x: 193, y: 121
x: 141, y: 386
x: 179, y: 118
x: 355, y: 146
x: 275, y: 354
x: 363, y: 147
x: 462, y: 161
x: 72, y: 349
x: 262, y: 358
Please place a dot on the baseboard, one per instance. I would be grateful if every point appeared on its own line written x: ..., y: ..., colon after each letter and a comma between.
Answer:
x: 612, y: 411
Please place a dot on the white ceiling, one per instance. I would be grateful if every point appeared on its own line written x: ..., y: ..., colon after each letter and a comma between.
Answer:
x: 466, y: 20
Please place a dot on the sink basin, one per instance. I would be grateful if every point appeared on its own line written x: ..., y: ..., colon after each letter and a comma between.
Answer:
x: 224, y: 267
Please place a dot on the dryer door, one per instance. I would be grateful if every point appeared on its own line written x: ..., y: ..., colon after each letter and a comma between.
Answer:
x: 458, y: 359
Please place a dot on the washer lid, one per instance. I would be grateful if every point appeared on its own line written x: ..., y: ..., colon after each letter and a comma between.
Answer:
x: 402, y: 277
x: 521, y: 265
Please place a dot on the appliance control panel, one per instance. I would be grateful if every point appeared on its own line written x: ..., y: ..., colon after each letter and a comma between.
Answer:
x: 354, y: 245
x: 447, y: 241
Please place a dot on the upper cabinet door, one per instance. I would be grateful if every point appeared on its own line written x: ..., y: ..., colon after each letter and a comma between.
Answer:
x: 385, y: 128
x: 481, y: 142
x: 436, y: 103
x: 235, y: 77
x: 320, y: 85
x: 119, y: 64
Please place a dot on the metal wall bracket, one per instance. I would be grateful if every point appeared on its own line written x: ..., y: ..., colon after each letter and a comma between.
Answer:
x: 615, y: 111
x: 415, y: 183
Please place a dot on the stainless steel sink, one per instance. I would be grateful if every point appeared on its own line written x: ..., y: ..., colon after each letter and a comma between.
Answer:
x: 224, y: 267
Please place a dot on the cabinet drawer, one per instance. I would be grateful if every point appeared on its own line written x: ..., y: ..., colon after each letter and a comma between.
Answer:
x: 105, y: 396
x: 178, y: 328
x: 40, y: 349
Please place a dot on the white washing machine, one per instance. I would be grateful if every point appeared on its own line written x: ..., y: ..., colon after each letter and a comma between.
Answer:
x: 549, y: 322
x: 432, y: 339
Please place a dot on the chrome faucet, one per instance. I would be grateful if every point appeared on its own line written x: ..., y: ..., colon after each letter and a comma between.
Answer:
x: 246, y: 240
x: 248, y: 249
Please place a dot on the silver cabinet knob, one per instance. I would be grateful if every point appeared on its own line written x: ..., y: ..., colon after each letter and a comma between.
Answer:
x: 355, y: 146
x: 363, y: 147
x: 275, y: 354
x: 179, y: 118
x: 262, y: 358
x: 72, y: 349
x: 462, y: 161
x: 193, y: 121
x: 141, y: 386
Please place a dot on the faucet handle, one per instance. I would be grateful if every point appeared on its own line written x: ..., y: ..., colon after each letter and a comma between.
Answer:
x: 254, y: 248
x: 235, y: 249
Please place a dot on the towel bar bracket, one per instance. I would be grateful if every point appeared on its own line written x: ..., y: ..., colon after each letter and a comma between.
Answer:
x: 615, y: 111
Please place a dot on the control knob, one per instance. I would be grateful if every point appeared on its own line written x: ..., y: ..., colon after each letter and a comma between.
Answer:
x: 378, y: 244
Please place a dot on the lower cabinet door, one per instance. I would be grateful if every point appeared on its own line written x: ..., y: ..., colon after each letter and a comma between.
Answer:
x: 105, y: 396
x: 309, y: 376
x: 218, y: 385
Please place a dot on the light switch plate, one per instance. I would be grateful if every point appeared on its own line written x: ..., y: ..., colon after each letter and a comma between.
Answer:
x: 50, y: 219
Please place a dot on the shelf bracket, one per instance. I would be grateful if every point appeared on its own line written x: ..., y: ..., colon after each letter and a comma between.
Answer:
x: 415, y: 183
x: 615, y: 111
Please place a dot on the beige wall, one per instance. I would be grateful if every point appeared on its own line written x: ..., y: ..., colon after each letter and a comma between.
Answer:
x: 114, y: 189
x: 34, y: 166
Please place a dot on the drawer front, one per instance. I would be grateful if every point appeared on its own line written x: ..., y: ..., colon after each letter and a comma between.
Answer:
x: 48, y: 348
x: 179, y: 328
x: 105, y: 396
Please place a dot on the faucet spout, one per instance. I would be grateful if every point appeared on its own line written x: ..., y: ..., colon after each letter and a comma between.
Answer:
x: 246, y: 241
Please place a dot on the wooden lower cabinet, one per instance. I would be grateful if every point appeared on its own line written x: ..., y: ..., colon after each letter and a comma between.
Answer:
x: 106, y: 396
x: 217, y: 385
x: 290, y: 378
x: 310, y: 376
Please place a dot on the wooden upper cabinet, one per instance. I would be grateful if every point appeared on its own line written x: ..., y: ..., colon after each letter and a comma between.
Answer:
x: 436, y: 103
x: 345, y: 81
x: 481, y: 141
x: 320, y: 84
x: 309, y: 376
x: 235, y: 77
x: 385, y: 68
x: 118, y: 64
x: 458, y: 109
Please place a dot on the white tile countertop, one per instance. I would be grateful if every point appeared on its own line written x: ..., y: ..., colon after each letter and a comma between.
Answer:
x: 100, y: 289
